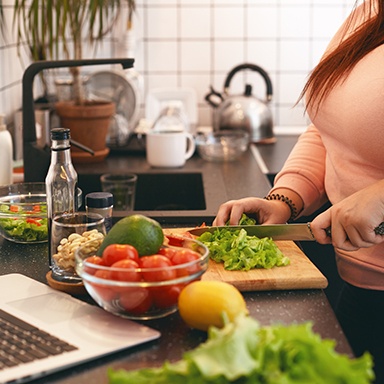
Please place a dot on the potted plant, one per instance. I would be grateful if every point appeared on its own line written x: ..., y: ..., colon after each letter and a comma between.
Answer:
x: 57, y: 29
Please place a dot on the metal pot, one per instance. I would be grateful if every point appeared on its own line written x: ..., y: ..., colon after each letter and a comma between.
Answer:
x: 244, y: 111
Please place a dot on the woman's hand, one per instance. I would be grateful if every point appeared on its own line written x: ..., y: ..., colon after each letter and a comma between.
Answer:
x: 353, y: 220
x: 266, y: 211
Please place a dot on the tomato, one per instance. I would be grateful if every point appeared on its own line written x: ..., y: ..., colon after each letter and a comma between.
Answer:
x: 136, y: 300
x: 14, y: 208
x: 184, y: 256
x: 105, y: 292
x: 97, y: 260
x: 115, y: 252
x: 162, y: 264
x: 36, y: 208
x: 166, y: 297
x: 31, y: 220
x: 127, y: 271
x: 103, y: 274
x: 176, y: 241
x: 168, y: 252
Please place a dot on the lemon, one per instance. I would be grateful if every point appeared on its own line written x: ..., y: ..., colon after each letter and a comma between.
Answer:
x: 206, y: 303
x: 142, y: 232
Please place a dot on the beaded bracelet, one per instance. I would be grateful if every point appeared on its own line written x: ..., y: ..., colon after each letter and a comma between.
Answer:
x: 286, y: 200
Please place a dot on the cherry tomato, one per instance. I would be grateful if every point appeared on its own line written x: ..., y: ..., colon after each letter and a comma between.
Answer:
x: 14, y: 208
x: 166, y: 297
x: 174, y: 240
x: 168, y: 252
x: 105, y: 292
x: 31, y: 220
x: 127, y: 270
x: 161, y: 263
x: 36, y: 208
x: 97, y: 260
x: 115, y: 252
x: 136, y: 300
x: 184, y: 256
x: 103, y: 274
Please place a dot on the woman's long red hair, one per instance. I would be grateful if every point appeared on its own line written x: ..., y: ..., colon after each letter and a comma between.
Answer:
x: 335, y: 66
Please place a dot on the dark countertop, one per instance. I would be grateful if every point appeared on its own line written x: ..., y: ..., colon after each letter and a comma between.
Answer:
x: 238, y: 179
x: 222, y: 182
x: 274, y: 155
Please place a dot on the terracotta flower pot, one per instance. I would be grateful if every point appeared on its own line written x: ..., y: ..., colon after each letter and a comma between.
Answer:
x: 89, y: 126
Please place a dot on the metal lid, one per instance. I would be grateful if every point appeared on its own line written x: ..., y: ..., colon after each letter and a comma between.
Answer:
x: 60, y: 134
x: 99, y: 199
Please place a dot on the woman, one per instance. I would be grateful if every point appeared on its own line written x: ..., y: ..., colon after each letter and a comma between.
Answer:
x: 340, y: 158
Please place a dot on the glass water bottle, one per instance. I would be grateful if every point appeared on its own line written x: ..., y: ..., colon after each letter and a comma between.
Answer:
x: 61, y: 184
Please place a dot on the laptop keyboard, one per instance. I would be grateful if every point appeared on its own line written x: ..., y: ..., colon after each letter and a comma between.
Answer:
x: 21, y: 342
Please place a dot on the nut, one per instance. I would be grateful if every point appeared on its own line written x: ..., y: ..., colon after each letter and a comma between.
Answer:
x: 65, y: 256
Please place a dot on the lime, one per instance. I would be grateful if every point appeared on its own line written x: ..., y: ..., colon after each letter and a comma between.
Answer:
x: 142, y: 232
x: 206, y: 303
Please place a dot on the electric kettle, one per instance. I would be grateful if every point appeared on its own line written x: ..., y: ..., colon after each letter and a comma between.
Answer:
x: 244, y: 111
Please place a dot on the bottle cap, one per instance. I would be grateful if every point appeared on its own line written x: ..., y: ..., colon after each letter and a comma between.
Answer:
x: 60, y: 134
x: 99, y: 199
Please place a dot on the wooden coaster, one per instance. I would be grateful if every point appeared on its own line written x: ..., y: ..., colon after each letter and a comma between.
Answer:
x: 71, y: 288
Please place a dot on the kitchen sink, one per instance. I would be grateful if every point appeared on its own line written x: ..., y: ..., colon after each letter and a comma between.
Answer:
x: 159, y: 191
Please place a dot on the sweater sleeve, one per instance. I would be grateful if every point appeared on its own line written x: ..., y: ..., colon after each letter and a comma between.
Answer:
x: 304, y: 171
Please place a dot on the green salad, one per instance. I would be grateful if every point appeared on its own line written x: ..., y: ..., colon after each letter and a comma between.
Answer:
x: 244, y: 352
x: 240, y: 252
x: 24, y: 226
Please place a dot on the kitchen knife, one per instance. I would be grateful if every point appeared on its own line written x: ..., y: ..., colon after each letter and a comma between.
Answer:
x: 293, y: 232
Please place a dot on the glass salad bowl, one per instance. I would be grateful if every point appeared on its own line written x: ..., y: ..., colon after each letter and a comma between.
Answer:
x: 23, y: 212
x: 147, y: 288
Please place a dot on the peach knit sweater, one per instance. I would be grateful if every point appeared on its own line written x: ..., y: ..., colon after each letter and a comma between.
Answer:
x: 341, y: 152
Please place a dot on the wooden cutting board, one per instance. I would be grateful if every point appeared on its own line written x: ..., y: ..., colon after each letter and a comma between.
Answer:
x: 301, y: 273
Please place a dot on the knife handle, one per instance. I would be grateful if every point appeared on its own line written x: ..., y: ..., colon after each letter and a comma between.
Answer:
x: 379, y: 230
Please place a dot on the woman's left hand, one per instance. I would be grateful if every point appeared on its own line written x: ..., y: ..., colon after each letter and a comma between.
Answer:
x: 353, y: 220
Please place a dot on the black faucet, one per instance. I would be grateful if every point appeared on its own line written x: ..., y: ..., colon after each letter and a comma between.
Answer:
x: 36, y: 158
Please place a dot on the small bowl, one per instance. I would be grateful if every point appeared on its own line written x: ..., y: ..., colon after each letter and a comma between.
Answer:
x: 23, y: 212
x: 143, y: 298
x: 224, y: 145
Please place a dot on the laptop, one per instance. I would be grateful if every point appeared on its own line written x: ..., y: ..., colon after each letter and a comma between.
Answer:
x: 84, y: 331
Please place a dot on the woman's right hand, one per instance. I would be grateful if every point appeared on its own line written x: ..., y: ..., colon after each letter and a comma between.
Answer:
x: 266, y: 211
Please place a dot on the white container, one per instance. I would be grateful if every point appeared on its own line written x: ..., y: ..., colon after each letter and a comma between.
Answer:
x: 6, y: 154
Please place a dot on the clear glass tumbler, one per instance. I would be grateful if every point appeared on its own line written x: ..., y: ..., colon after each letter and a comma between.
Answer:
x: 69, y: 231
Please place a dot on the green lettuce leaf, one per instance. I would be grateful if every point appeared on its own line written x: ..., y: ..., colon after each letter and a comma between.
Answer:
x: 238, y: 251
x: 243, y: 352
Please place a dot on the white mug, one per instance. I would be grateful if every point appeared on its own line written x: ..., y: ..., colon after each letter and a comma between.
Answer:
x: 169, y: 148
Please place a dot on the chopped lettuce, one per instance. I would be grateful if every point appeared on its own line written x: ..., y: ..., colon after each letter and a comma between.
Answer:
x: 245, y: 220
x: 244, y: 353
x: 238, y: 251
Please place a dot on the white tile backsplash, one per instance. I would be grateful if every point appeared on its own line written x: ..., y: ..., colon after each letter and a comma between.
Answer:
x: 228, y: 22
x: 227, y: 54
x: 262, y: 22
x: 294, y: 21
x: 162, y: 23
x: 195, y: 56
x: 195, y: 43
x: 190, y: 28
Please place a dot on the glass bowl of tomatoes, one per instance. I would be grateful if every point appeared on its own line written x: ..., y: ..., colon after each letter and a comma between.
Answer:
x: 140, y: 288
x: 23, y: 213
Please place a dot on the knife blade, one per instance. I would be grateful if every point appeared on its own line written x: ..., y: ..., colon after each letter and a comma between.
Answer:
x: 294, y: 232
